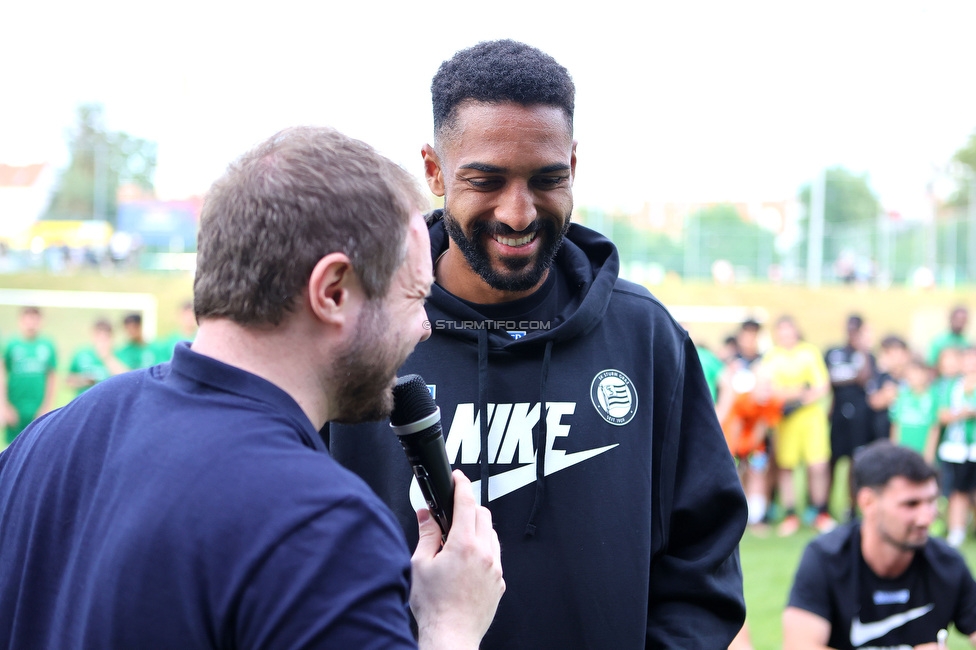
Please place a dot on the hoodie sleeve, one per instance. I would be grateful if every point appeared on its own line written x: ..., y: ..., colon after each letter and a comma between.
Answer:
x: 695, y: 592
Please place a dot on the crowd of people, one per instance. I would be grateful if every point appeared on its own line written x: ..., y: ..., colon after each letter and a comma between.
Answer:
x: 28, y: 374
x: 902, y: 419
x: 791, y: 404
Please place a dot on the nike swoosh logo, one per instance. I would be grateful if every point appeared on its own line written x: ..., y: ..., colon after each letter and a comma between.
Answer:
x: 507, y: 482
x: 861, y: 633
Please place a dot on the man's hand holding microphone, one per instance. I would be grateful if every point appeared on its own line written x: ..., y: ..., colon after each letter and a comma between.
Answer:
x: 457, y: 577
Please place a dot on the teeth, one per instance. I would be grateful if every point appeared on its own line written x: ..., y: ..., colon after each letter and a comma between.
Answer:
x: 509, y: 241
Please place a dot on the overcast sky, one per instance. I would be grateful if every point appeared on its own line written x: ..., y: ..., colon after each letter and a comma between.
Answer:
x: 675, y: 100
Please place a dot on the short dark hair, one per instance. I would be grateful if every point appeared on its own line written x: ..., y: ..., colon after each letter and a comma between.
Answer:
x: 854, y: 322
x: 296, y: 197
x: 893, y: 341
x: 134, y: 318
x: 880, y: 461
x: 750, y: 324
x: 500, y: 71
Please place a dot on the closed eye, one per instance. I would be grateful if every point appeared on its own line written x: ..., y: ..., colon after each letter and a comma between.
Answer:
x: 549, y: 182
x: 484, y: 183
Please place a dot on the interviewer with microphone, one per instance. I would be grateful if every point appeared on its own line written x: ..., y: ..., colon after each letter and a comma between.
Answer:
x: 193, y: 504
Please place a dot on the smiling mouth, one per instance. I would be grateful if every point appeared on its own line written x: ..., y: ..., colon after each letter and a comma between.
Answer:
x: 515, y: 241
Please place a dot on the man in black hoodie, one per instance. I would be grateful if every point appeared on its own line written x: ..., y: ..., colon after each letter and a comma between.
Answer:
x: 570, y: 397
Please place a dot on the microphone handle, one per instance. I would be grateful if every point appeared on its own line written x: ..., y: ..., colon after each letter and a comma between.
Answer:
x: 428, y: 457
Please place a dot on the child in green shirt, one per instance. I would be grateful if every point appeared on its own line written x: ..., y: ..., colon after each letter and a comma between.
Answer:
x: 915, y: 413
x: 29, y: 362
x: 957, y: 412
x: 95, y: 362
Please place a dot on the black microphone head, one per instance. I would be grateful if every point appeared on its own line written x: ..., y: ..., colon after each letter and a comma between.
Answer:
x: 411, y: 400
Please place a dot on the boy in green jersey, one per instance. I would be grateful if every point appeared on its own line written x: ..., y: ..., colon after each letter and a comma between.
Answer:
x: 137, y: 352
x: 915, y: 413
x: 948, y: 369
x: 95, y: 362
x: 957, y: 412
x: 29, y: 361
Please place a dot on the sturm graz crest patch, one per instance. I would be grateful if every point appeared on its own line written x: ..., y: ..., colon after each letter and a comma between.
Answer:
x: 614, y: 397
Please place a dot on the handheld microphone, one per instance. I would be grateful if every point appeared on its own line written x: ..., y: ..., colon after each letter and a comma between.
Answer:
x: 416, y: 420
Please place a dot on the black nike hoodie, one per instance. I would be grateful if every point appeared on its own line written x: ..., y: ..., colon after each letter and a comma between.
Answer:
x: 625, y: 533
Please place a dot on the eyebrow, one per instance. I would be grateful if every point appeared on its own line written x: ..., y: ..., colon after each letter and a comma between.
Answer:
x: 495, y: 169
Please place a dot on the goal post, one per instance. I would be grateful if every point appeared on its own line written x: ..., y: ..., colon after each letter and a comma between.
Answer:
x: 717, y: 314
x: 144, y: 303
x: 709, y: 325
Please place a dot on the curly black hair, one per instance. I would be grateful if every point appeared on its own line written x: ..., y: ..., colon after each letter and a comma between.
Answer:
x: 880, y: 461
x: 500, y: 71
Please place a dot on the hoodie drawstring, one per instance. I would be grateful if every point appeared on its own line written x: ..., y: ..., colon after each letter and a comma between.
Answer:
x: 540, y: 445
x: 483, y: 406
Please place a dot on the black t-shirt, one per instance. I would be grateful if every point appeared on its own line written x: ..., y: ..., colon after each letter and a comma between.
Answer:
x: 844, y: 365
x: 880, y: 419
x: 850, y: 417
x: 851, y: 423
x: 865, y: 611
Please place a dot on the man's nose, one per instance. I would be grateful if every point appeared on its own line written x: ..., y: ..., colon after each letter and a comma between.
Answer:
x: 516, y: 208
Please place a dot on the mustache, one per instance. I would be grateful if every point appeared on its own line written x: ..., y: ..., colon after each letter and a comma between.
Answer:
x: 496, y: 228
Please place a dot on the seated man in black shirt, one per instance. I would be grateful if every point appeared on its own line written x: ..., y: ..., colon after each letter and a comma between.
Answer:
x: 882, y: 582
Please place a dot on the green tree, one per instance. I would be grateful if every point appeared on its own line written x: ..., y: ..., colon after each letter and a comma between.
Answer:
x: 634, y: 244
x: 719, y: 232
x: 101, y: 161
x: 966, y: 157
x: 851, y: 211
x: 644, y: 245
x: 967, y: 154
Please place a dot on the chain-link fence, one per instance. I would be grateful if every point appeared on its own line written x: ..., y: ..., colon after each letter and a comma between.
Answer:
x: 883, y: 251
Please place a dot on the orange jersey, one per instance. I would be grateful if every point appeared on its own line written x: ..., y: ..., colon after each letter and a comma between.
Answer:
x: 739, y: 425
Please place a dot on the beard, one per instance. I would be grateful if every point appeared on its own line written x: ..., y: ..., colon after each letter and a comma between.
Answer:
x: 365, y: 372
x: 523, y: 273
x: 907, y: 544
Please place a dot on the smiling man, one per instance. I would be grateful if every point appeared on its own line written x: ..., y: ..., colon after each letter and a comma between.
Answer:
x: 573, y: 401
x: 508, y: 170
x: 882, y: 583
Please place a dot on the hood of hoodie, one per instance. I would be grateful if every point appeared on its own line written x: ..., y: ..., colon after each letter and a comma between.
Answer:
x: 590, y: 264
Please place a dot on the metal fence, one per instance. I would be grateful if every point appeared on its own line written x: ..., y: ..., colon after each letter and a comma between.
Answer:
x: 884, y: 251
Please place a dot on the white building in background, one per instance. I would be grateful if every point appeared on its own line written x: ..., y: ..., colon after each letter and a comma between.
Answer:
x: 24, y: 194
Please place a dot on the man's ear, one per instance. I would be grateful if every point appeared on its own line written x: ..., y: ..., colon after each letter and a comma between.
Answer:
x: 572, y: 164
x: 331, y: 287
x: 866, y: 497
x: 432, y: 170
